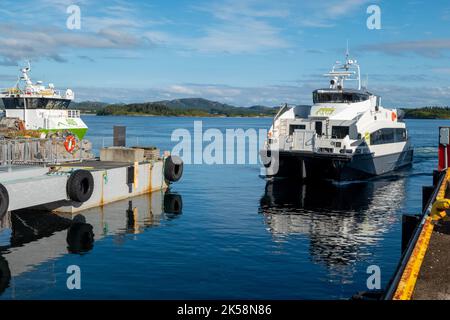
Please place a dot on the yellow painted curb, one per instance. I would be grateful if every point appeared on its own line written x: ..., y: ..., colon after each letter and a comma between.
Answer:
x: 407, y: 283
x: 409, y: 277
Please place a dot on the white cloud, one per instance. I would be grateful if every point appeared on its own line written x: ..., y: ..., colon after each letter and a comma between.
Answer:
x: 431, y: 48
x: 249, y: 26
x: 112, y: 26
x: 178, y: 89
x: 343, y: 7
x: 442, y: 70
x: 245, y: 36
x: 324, y: 14
x: 21, y: 43
x: 243, y: 26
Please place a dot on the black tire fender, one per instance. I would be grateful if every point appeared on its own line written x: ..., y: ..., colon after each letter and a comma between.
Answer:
x: 80, y: 186
x: 4, y: 201
x: 173, y: 168
x: 173, y: 203
x: 80, y: 238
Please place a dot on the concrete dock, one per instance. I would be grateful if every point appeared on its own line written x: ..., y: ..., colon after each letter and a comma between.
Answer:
x: 433, y: 282
x: 423, y: 272
x: 74, y: 187
x: 112, y: 182
x: 71, y: 186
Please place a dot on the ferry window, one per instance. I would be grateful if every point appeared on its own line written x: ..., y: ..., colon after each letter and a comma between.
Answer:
x: 318, y: 127
x: 338, y: 97
x: 378, y: 102
x: 347, y: 97
x: 294, y: 127
x: 382, y: 136
x: 388, y: 135
x: 339, y: 132
x: 400, y: 135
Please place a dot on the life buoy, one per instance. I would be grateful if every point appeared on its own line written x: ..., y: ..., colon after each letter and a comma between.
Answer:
x: 70, y: 143
x: 21, y: 125
x: 394, y: 116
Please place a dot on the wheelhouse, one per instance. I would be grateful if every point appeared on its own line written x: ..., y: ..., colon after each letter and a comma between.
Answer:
x: 339, y: 96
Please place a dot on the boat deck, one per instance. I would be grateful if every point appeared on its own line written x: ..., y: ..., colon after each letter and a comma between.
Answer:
x: 95, y: 165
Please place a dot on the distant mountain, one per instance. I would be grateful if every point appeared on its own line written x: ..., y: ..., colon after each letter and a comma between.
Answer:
x: 197, y: 103
x: 186, y: 107
x: 213, y: 107
x: 427, y: 113
x: 93, y: 106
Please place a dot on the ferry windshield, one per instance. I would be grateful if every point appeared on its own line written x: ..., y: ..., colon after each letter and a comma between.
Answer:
x: 338, y: 97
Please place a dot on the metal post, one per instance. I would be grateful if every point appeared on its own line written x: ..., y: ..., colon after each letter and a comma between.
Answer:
x: 25, y: 111
x: 120, y: 135
x: 444, y: 150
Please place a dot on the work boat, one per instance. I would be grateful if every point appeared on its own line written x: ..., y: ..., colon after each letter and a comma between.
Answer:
x: 41, y: 108
x: 345, y: 135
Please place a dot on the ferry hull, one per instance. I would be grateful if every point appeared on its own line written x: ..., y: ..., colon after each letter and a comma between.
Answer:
x: 313, y: 166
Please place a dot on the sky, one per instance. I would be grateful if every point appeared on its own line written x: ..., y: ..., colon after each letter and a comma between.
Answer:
x: 241, y: 52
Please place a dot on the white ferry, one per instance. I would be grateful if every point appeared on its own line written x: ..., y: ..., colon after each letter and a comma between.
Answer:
x: 345, y: 135
x: 42, y: 108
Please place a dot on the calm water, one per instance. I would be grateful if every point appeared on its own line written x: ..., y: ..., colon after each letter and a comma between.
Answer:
x: 237, y: 237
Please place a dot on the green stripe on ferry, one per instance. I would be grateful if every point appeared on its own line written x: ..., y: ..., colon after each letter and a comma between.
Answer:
x: 78, y: 132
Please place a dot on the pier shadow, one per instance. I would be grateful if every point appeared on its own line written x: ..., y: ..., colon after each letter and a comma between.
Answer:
x: 340, y: 221
x: 31, y: 239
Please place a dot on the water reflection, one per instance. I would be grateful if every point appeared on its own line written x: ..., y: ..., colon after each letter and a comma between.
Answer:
x: 341, y: 221
x: 28, y: 239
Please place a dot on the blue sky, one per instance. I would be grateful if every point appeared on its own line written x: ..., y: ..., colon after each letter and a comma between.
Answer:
x: 242, y: 52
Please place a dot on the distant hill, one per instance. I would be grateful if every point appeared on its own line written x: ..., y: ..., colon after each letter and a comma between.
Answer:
x: 427, y: 113
x: 186, y: 107
x: 215, y: 108
x: 88, y: 106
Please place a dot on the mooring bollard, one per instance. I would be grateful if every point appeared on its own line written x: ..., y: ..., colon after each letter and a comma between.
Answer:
x: 444, y: 149
x: 120, y: 136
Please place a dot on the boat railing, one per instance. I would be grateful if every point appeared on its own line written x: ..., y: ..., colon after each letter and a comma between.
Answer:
x: 38, y: 152
x: 10, y: 91
x: 36, y: 94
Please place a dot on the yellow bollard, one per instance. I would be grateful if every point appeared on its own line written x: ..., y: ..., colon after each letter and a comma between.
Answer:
x: 438, y: 209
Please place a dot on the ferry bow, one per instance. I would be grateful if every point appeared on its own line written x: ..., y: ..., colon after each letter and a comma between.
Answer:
x: 345, y: 135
